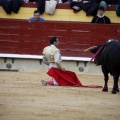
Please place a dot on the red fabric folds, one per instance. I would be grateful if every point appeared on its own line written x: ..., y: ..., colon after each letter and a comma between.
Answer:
x: 67, y: 78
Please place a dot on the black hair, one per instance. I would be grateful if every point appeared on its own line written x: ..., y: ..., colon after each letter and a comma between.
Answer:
x: 53, y: 39
x: 101, y: 8
x: 36, y: 11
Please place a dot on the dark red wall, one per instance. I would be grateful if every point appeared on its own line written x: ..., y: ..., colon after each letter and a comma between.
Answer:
x: 23, y: 37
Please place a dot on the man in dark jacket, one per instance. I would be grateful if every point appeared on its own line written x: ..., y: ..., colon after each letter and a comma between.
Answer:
x: 101, y: 18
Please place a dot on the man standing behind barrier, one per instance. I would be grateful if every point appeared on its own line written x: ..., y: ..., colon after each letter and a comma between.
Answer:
x: 101, y: 18
x: 36, y: 17
x: 52, y: 57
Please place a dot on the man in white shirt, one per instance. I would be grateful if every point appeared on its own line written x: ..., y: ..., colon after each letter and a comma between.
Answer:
x: 52, y: 58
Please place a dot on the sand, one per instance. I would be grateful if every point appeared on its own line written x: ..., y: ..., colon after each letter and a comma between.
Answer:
x: 22, y: 97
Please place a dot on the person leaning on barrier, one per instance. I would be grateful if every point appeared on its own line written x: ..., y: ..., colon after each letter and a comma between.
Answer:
x: 101, y: 18
x: 36, y: 17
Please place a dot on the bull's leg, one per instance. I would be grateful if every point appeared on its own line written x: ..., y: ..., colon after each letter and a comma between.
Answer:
x: 105, y: 88
x: 115, y: 86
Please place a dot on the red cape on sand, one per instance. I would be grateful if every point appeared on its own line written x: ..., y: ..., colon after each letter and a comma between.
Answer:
x: 67, y: 78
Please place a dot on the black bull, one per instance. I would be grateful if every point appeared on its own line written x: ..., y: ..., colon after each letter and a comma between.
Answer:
x: 109, y: 59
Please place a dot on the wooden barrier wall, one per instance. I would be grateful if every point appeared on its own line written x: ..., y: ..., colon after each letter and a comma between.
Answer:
x: 23, y: 37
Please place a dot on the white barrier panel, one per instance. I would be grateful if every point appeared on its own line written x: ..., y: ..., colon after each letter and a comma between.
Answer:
x: 40, y: 57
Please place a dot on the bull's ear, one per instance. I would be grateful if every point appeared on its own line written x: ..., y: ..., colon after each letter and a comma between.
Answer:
x: 90, y: 48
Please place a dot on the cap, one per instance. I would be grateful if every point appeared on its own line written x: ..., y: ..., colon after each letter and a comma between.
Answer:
x: 103, y: 4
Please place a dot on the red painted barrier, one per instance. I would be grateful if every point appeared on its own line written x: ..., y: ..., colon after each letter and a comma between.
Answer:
x: 23, y: 37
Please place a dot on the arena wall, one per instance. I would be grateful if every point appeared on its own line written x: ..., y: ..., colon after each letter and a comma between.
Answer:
x: 16, y: 64
x: 21, y: 42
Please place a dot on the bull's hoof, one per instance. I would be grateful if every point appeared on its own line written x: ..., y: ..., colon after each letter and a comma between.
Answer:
x: 117, y: 90
x: 113, y: 92
x: 105, y: 89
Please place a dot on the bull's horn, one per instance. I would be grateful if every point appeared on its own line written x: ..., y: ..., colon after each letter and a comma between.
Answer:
x: 90, y: 48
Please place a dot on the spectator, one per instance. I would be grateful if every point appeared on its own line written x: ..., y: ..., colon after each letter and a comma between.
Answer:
x: 36, y: 17
x: 101, y: 18
x: 89, y: 6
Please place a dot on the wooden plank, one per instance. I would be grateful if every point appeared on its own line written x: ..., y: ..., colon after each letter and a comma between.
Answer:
x: 33, y: 25
x: 10, y: 50
x: 5, y: 23
x: 9, y: 38
x: 10, y: 31
x: 9, y: 44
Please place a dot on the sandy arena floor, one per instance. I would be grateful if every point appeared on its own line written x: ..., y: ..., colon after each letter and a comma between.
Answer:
x: 22, y: 97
